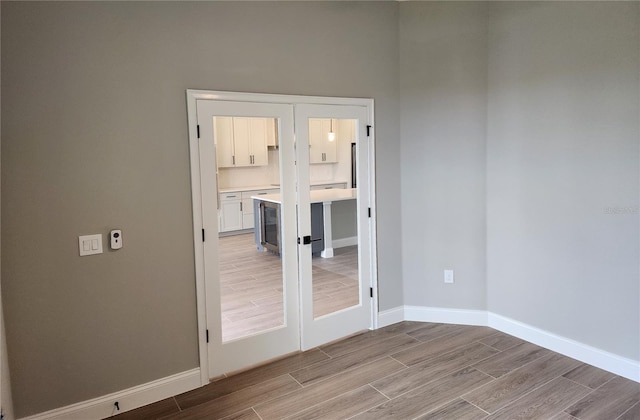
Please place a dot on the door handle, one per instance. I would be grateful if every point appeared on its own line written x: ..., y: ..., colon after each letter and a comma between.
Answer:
x: 306, y: 240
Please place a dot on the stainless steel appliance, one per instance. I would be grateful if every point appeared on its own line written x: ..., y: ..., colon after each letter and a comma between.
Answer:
x: 270, y: 226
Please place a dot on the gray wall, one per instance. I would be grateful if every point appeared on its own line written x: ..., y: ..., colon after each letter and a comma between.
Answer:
x: 443, y: 85
x: 520, y: 127
x: 563, y: 146
x: 344, y: 219
x: 530, y: 109
x: 95, y: 137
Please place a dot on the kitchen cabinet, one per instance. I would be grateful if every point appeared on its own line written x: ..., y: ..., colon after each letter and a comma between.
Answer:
x: 250, y: 141
x: 230, y: 212
x: 223, y: 135
x: 236, y: 209
x: 247, y: 206
x: 321, y: 150
x: 272, y: 132
x: 242, y: 141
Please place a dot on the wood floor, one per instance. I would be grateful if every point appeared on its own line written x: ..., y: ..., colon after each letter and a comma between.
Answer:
x: 251, y: 285
x: 412, y: 370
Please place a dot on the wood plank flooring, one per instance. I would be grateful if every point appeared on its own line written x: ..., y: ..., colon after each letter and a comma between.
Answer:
x: 412, y: 370
x: 251, y: 285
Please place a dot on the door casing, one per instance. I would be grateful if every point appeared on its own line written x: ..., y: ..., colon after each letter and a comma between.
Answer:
x: 192, y: 97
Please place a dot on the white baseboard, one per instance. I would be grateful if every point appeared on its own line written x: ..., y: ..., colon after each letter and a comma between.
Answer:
x: 621, y: 366
x: 341, y: 243
x: 391, y: 316
x: 610, y: 362
x: 445, y: 315
x: 129, y: 399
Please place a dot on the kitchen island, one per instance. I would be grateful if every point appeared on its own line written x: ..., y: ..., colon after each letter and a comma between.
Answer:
x: 267, y: 219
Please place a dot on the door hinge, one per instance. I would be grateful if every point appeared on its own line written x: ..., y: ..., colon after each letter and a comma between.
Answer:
x: 369, y: 211
x: 202, y: 235
x: 207, y: 336
x: 198, y: 129
x: 368, y: 130
x: 371, y: 292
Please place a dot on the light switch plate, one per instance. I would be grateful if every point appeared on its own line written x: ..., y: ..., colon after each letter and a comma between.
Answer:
x: 90, y: 244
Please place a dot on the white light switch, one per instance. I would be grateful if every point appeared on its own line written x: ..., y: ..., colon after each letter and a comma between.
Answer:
x: 90, y: 244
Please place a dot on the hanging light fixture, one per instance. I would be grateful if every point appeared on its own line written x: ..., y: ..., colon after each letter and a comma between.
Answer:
x: 332, y: 134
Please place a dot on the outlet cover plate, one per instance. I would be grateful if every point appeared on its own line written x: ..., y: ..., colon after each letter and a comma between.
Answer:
x: 448, y: 276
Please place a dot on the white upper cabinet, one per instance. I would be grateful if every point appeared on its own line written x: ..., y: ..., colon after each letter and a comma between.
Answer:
x: 272, y: 132
x: 258, y: 129
x: 321, y: 149
x: 241, y: 141
x: 223, y: 135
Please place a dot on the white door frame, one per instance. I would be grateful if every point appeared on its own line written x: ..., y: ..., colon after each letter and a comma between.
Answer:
x: 194, y: 153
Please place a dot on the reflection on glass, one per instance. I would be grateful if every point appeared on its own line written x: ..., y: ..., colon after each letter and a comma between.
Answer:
x: 251, y: 277
x: 333, y: 215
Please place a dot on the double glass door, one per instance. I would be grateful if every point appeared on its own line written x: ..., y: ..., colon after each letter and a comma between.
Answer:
x: 287, y: 255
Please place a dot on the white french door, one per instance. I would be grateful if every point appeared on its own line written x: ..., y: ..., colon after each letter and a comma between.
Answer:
x: 335, y: 298
x: 230, y: 285
x: 318, y: 284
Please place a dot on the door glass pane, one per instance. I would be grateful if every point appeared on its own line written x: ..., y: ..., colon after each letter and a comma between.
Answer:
x: 250, y: 267
x: 333, y: 196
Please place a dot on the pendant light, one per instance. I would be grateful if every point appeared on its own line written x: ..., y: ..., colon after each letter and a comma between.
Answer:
x: 332, y: 134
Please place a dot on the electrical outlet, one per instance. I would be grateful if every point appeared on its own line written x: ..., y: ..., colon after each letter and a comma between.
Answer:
x: 448, y: 276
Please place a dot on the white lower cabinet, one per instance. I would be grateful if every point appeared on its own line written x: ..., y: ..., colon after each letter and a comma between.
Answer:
x: 230, y: 212
x: 247, y: 206
x: 236, y: 209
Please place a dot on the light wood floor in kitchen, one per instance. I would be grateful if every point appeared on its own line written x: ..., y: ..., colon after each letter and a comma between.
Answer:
x: 251, y: 285
x: 413, y: 370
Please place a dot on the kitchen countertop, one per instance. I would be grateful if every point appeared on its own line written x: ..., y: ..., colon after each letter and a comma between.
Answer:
x: 250, y: 188
x: 316, y: 196
x: 272, y: 186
